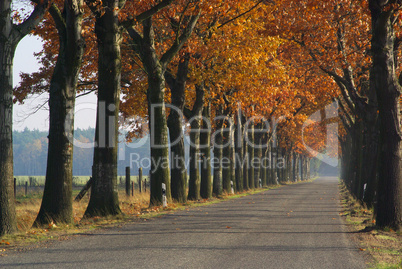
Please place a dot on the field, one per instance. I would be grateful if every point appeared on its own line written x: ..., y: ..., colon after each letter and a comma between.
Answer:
x: 78, y: 181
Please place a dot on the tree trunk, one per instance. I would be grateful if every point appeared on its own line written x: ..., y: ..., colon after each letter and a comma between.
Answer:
x: 288, y: 165
x: 7, y: 203
x: 205, y: 142
x: 218, y: 141
x: 264, y: 168
x: 267, y: 164
x: 226, y: 154
x: 195, y: 117
x: 258, y: 157
x: 358, y: 180
x: 10, y: 37
x: 104, y: 194
x: 157, y: 117
x: 239, y: 153
x: 195, y: 181
x: 233, y: 163
x: 273, y: 164
x: 278, y: 159
x: 251, y: 146
x: 57, y: 203
x: 389, y: 205
x: 294, y: 165
x: 297, y: 167
x: 370, y: 161
x: 246, y: 157
x: 178, y: 170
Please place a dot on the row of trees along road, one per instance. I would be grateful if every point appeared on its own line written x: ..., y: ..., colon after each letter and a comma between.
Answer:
x: 243, y: 65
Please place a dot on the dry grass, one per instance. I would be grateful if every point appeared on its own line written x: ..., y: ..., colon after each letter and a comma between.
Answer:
x: 383, y: 245
x: 27, y: 208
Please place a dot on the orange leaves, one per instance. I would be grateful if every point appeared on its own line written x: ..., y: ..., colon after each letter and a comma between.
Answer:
x: 312, y: 32
x: 4, y: 242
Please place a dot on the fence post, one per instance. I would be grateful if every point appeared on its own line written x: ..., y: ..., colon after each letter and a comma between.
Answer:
x: 164, y: 202
x: 132, y: 188
x: 140, y: 179
x: 15, y: 188
x: 145, y: 185
x: 128, y: 181
x: 26, y: 188
x: 84, y: 190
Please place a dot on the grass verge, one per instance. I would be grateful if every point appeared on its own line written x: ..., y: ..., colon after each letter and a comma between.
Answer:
x: 383, y: 245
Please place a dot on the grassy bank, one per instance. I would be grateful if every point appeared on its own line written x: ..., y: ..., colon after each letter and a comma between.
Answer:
x: 383, y: 245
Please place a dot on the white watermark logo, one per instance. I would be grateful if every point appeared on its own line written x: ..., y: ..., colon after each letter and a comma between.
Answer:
x: 327, y: 118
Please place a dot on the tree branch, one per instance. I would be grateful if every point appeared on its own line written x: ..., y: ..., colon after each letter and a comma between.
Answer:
x: 242, y: 14
x: 137, y: 40
x: 145, y: 15
x: 58, y: 18
x: 178, y: 44
x: 21, y: 30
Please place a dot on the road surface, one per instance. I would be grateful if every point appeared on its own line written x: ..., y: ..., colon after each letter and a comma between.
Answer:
x: 295, y: 226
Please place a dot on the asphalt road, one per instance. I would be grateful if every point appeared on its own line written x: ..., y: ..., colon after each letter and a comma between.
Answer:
x: 295, y: 226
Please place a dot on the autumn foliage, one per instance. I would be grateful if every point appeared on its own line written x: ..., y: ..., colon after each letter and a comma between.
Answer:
x: 271, y: 63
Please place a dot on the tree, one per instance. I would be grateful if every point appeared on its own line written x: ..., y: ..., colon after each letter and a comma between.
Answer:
x: 11, y: 35
x: 384, y: 45
x: 57, y: 197
x: 175, y: 123
x: 155, y: 67
x: 194, y: 115
x: 338, y: 48
x: 104, y: 197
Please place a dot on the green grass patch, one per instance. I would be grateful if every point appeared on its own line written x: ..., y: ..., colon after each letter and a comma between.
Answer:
x: 388, y: 266
x: 385, y: 237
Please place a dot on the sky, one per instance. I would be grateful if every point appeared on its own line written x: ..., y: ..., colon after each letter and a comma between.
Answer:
x: 23, y: 115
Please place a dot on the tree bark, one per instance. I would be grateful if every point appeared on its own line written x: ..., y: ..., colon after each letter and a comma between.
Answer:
x: 195, y: 117
x: 104, y: 195
x: 389, y: 205
x: 258, y: 157
x: 218, y: 141
x: 10, y: 36
x: 226, y: 154
x: 195, y: 180
x: 205, y: 142
x: 57, y: 203
x: 272, y: 159
x: 246, y: 157
x: 178, y: 170
x: 239, y: 152
x: 251, y: 146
